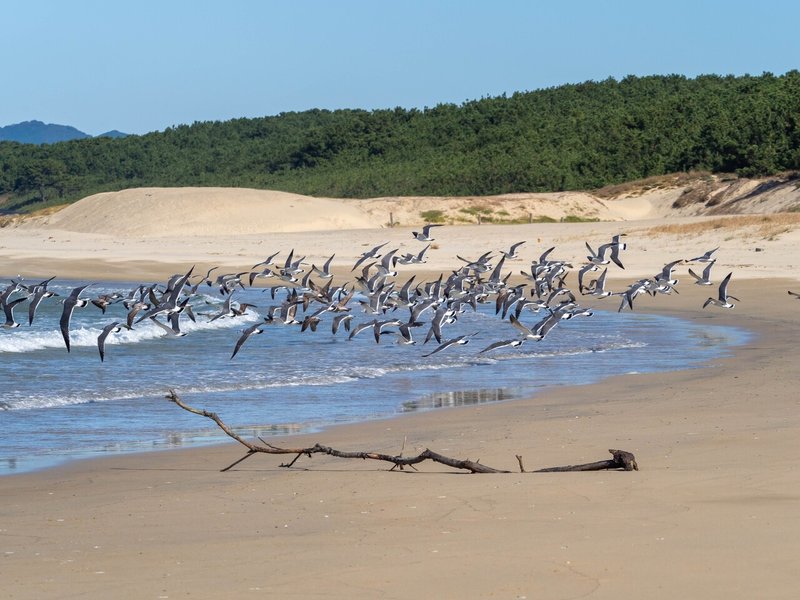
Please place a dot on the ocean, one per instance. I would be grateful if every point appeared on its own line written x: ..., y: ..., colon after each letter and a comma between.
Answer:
x: 59, y: 406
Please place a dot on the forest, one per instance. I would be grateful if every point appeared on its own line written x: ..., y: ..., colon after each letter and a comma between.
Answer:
x: 576, y: 136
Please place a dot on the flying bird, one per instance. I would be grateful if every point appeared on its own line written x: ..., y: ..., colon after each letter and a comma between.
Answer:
x: 246, y: 333
x: 706, y: 278
x: 114, y: 327
x: 425, y: 234
x: 70, y: 303
x: 502, y: 344
x: 723, y: 299
x: 704, y: 258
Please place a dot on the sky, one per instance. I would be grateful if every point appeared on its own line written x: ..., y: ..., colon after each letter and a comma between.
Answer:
x: 146, y: 65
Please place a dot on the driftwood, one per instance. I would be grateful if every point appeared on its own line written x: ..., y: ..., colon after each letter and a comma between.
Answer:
x: 622, y: 459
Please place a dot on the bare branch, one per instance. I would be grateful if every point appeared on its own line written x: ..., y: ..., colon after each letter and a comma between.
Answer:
x: 621, y: 459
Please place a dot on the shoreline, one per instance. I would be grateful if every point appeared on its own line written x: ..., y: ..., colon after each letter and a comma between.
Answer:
x: 715, y: 498
x: 201, y: 433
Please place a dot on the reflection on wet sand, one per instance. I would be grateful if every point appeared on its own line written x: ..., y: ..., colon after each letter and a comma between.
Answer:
x: 459, y: 398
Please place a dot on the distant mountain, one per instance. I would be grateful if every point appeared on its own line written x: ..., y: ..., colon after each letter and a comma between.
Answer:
x: 113, y: 134
x: 36, y: 132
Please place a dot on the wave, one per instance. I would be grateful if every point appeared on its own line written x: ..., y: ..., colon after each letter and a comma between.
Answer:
x: 331, y: 375
x: 24, y: 341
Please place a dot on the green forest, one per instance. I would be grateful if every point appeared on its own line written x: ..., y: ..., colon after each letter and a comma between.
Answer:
x: 577, y: 136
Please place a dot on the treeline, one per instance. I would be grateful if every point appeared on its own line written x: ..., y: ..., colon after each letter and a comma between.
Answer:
x: 581, y: 136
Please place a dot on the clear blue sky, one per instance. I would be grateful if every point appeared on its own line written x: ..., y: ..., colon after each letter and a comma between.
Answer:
x: 144, y: 65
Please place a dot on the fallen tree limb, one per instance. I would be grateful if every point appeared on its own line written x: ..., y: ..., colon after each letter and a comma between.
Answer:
x: 621, y: 459
x: 399, y: 462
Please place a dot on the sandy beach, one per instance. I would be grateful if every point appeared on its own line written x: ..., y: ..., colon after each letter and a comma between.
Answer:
x: 712, y: 512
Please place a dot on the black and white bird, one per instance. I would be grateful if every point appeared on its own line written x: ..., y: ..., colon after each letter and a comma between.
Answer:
x: 461, y: 340
x: 704, y: 258
x: 706, y: 277
x: 502, y: 344
x: 246, y: 333
x: 723, y: 298
x: 70, y: 303
x: 425, y: 234
x: 113, y: 327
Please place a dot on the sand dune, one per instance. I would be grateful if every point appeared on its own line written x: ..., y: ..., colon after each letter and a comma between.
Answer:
x: 203, y: 211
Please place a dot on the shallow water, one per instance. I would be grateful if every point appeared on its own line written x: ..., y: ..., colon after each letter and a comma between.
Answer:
x: 61, y: 406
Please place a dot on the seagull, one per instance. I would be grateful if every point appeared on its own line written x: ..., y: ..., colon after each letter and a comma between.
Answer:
x: 338, y: 320
x: 599, y: 257
x: 173, y: 331
x: 38, y: 293
x: 722, y: 300
x: 587, y: 268
x: 538, y: 331
x: 373, y: 253
x: 70, y: 302
x: 267, y: 262
x: 459, y: 341
x: 502, y: 344
x: 706, y: 278
x: 705, y: 257
x: 405, y: 335
x: 246, y: 333
x: 512, y: 252
x: 325, y: 271
x: 425, y: 234
x: 101, y: 339
x: 8, y: 308
x: 599, y: 290
x: 666, y: 273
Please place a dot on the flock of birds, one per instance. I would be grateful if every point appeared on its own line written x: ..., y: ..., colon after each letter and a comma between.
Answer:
x: 306, y: 296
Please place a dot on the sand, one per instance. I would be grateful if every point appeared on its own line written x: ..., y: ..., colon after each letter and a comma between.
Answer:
x: 712, y: 513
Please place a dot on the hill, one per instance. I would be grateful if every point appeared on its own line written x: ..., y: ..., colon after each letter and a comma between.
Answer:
x: 37, y: 132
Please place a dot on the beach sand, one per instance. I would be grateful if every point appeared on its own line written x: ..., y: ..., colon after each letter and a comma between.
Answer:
x: 713, y: 512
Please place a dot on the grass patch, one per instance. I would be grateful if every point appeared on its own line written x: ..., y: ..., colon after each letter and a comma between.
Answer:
x: 765, y: 226
x: 432, y: 216
x: 578, y: 219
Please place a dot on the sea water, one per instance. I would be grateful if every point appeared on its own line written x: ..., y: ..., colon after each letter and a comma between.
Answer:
x: 58, y: 406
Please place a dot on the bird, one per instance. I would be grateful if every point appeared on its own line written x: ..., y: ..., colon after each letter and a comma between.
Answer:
x: 795, y: 294
x: 325, y: 271
x: 70, y: 303
x: 502, y: 344
x: 373, y: 253
x: 538, y: 331
x: 341, y: 320
x: 8, y: 308
x: 512, y: 252
x: 425, y: 234
x: 246, y: 333
x: 706, y: 278
x: 458, y: 341
x: 599, y: 257
x: 173, y: 330
x: 723, y: 298
x: 38, y: 293
x: 704, y: 258
x: 599, y: 289
x: 113, y: 327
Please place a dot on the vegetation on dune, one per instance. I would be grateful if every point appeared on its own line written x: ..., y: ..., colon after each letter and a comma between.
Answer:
x: 582, y: 136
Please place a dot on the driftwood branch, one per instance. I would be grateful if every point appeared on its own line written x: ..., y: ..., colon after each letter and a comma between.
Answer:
x: 621, y: 459
x: 398, y: 461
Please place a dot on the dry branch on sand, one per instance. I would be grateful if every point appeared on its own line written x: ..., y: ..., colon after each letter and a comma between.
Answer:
x: 621, y: 459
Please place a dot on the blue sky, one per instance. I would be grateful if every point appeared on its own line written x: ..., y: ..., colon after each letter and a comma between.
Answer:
x: 146, y: 65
